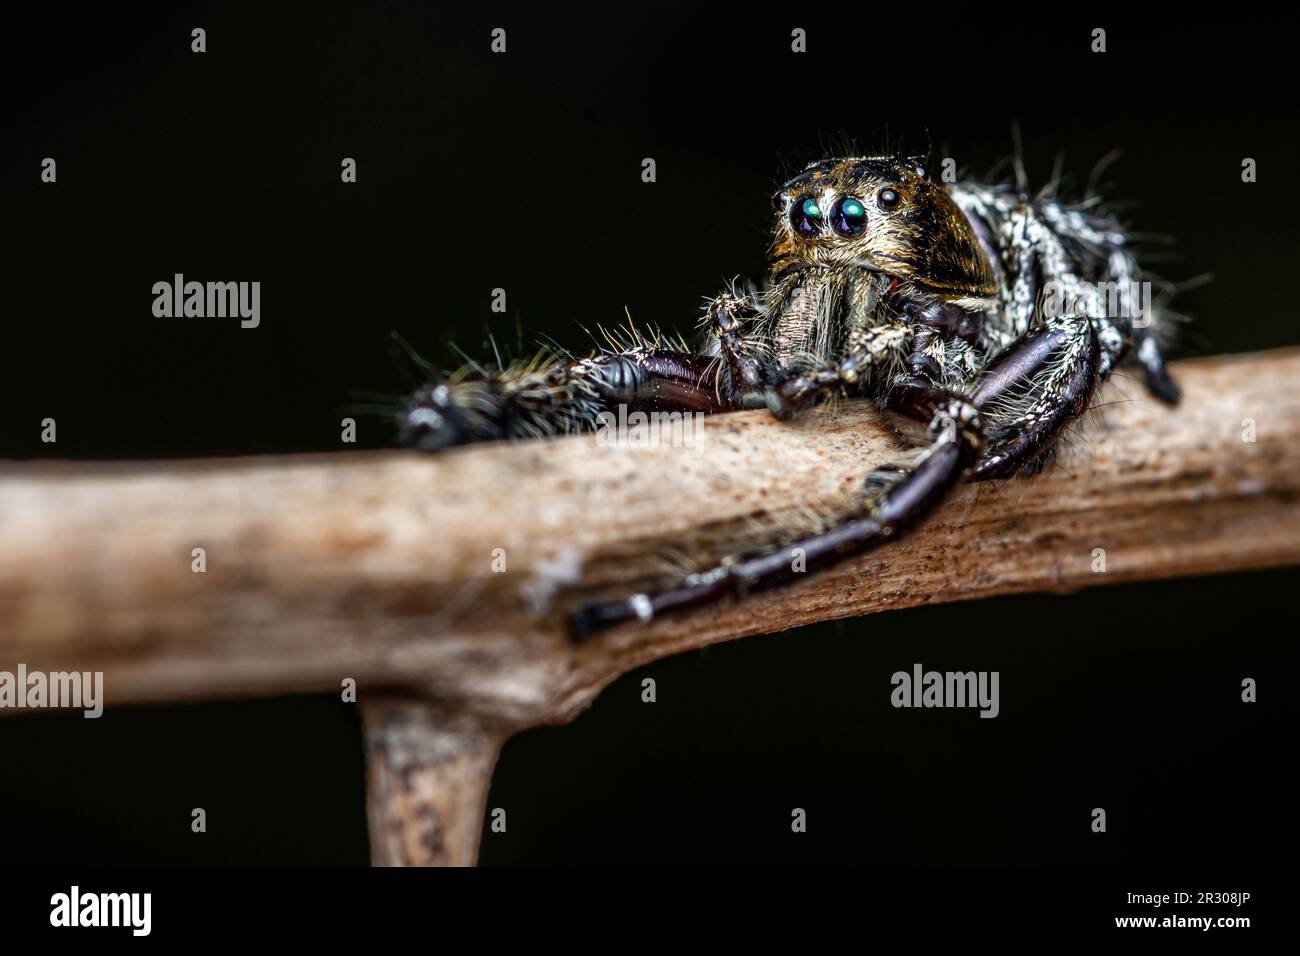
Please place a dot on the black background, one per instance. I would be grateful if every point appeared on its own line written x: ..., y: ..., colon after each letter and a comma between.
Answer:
x: 522, y: 172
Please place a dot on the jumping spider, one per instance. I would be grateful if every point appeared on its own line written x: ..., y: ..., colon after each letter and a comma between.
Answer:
x: 927, y: 298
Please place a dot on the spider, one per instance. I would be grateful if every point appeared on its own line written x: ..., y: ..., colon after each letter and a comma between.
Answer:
x: 986, y: 316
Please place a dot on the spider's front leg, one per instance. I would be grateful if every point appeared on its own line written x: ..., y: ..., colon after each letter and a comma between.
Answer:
x: 535, y: 399
x: 894, y: 497
x: 867, y: 349
x: 554, y: 396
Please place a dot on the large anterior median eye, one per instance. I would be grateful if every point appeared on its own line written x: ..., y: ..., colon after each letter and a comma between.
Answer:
x: 848, y: 217
x: 806, y: 217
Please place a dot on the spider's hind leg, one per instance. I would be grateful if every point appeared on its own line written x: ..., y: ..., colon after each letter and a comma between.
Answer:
x: 1157, y: 378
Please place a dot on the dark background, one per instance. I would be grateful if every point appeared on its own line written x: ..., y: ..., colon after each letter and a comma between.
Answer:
x: 522, y: 172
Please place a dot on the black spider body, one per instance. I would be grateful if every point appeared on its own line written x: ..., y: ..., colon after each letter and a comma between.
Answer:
x: 985, y: 316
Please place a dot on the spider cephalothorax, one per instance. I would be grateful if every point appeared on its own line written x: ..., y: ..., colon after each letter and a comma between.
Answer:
x: 986, y: 316
x: 860, y: 243
x: 880, y: 215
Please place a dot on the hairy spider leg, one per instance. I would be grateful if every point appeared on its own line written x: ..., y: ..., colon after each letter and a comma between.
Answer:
x: 866, y: 349
x: 747, y: 373
x: 1033, y: 391
x: 1040, y: 258
x: 894, y: 497
x: 532, y: 401
x: 660, y: 380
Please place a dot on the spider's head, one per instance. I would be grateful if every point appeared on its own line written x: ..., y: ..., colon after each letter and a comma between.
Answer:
x: 882, y: 215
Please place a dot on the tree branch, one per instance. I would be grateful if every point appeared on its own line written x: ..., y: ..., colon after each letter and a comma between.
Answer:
x: 427, y: 775
x: 380, y: 566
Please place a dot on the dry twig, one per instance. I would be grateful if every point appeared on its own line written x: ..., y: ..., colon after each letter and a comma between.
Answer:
x: 379, y: 566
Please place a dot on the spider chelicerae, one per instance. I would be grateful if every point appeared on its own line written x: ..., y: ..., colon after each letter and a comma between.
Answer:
x: 979, y: 312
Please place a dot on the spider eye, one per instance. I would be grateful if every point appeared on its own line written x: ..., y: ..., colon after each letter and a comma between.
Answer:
x: 849, y: 217
x: 888, y: 199
x: 806, y: 217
